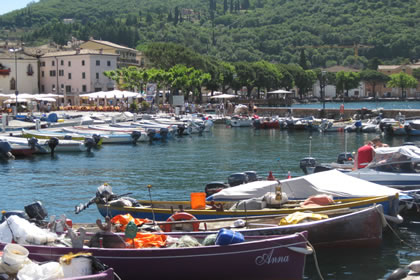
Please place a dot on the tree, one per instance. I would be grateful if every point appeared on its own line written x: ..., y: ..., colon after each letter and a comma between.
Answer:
x: 303, y: 62
x: 267, y: 76
x: 347, y: 81
x: 373, y: 78
x: 245, y: 76
x: 304, y: 81
x: 416, y: 74
x: 402, y: 81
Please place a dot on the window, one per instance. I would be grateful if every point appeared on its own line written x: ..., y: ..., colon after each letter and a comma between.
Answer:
x: 42, y: 88
x: 98, y: 89
x: 53, y: 87
x: 43, y: 64
x: 83, y: 63
x: 98, y: 63
x: 108, y: 63
x: 68, y: 89
x: 53, y: 63
x: 52, y: 73
x: 83, y: 75
x: 84, y: 88
x: 69, y: 63
x: 62, y: 86
x: 42, y: 74
x: 62, y: 62
x: 69, y: 76
x: 13, y: 84
x: 61, y: 73
x: 97, y: 76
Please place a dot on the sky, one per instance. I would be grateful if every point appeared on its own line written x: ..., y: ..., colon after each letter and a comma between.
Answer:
x: 10, y: 5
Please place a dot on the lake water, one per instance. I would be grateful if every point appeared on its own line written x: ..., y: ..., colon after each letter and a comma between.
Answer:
x: 184, y: 165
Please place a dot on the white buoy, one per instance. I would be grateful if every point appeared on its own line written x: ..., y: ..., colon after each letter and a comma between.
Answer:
x: 414, y: 266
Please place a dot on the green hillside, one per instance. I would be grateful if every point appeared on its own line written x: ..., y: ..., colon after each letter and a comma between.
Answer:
x: 234, y: 30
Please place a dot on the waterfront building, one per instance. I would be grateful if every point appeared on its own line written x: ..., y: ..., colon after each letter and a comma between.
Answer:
x: 126, y: 56
x: 18, y: 72
x: 383, y: 91
x: 331, y: 90
x: 71, y: 73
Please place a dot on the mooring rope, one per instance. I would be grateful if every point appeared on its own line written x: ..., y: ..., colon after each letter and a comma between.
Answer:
x: 315, y: 257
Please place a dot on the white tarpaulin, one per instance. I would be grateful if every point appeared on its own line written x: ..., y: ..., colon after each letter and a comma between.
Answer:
x: 331, y: 182
x: 391, y: 155
x: 224, y: 96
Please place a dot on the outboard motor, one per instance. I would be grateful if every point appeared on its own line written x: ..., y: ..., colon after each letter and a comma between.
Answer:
x: 89, y: 143
x: 214, y: 187
x: 164, y: 133
x: 237, y: 179
x: 344, y: 157
x: 33, y: 142
x: 52, y: 143
x: 252, y: 176
x: 181, y: 129
x: 151, y: 133
x: 308, y: 165
x: 256, y: 123
x: 36, y: 211
x: 96, y: 138
x: 5, y: 150
x: 201, y: 128
x: 135, y: 135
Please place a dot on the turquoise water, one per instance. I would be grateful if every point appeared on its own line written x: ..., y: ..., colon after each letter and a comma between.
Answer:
x: 359, y: 105
x: 185, y: 165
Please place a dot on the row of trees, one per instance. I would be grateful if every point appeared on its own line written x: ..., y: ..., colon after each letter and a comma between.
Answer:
x: 181, y: 69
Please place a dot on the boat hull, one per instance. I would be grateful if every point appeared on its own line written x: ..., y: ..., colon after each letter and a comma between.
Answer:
x: 390, y: 205
x: 272, y: 258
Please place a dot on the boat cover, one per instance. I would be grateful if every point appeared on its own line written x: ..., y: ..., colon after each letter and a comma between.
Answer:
x: 393, y: 155
x: 330, y: 182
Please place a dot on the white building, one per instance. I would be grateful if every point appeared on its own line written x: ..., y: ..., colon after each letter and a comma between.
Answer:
x: 70, y: 73
x: 18, y: 72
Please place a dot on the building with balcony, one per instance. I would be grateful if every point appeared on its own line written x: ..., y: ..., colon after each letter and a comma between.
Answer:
x: 71, y: 73
x: 126, y: 56
x: 18, y: 72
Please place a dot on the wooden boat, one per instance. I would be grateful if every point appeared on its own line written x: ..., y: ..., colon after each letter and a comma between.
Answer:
x: 162, y: 210
x: 342, y: 229
x: 44, y: 134
x: 280, y: 257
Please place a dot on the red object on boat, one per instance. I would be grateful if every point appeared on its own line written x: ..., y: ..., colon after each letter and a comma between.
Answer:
x: 271, y: 177
x: 289, y: 176
x: 69, y: 223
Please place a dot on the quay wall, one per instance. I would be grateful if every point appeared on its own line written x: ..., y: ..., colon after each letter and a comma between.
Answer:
x: 335, y: 113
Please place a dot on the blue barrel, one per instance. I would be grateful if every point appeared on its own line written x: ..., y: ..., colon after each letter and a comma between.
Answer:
x: 227, y: 236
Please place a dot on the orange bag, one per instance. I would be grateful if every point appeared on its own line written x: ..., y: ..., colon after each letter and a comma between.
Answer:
x: 123, y: 220
x: 147, y: 240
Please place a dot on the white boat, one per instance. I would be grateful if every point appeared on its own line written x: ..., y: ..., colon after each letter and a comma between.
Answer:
x: 398, y: 167
x: 305, y: 186
x: 105, y: 128
x: 42, y: 145
x: 109, y: 137
x: 240, y: 121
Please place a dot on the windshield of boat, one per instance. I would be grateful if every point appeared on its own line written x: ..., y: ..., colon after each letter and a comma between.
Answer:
x: 404, y: 159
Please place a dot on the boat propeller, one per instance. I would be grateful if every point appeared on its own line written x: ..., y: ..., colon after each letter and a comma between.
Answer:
x: 33, y: 142
x: 181, y: 129
x: 135, y: 135
x: 96, y: 138
x: 52, y: 143
x: 90, y: 143
x: 164, y: 133
x: 151, y: 133
x: 5, y: 149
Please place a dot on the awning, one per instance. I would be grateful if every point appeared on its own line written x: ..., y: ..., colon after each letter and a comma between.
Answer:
x: 279, y: 91
x: 224, y: 96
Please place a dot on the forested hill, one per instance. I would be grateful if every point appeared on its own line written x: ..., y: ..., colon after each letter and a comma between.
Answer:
x: 234, y: 30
